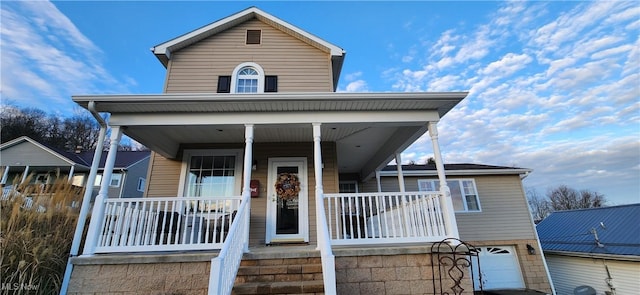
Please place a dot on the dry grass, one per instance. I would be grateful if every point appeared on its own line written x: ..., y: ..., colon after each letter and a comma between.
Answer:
x: 35, y: 239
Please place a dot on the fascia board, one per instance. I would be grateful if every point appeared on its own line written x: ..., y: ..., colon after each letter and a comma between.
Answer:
x: 593, y: 255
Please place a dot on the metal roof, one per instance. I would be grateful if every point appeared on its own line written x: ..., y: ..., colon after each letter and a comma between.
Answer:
x: 574, y: 231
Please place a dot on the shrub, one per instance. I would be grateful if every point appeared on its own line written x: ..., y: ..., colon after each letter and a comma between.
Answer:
x: 37, y: 225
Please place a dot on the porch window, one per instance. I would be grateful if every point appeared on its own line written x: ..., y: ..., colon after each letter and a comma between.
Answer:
x: 463, y: 193
x: 348, y: 187
x: 212, y: 173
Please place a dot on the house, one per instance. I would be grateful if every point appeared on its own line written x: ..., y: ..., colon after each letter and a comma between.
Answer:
x: 264, y: 179
x: 24, y: 156
x: 595, y: 249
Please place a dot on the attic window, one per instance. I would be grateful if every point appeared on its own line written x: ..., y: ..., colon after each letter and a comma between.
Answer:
x: 253, y: 36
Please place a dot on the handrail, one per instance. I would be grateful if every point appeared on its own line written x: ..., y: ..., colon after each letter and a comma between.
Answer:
x: 324, y: 244
x: 224, y: 267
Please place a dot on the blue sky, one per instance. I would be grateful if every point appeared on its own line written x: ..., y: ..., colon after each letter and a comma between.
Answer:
x: 553, y: 86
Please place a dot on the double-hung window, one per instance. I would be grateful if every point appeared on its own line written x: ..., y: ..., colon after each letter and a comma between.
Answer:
x: 212, y: 174
x: 464, y: 194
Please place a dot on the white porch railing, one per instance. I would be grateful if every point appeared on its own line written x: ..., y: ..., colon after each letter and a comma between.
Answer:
x: 378, y: 218
x: 224, y: 267
x: 164, y: 224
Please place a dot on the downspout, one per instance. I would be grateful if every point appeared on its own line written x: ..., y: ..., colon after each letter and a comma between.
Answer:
x: 86, y: 199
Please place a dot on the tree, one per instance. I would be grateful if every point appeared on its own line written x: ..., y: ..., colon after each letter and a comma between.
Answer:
x: 562, y: 198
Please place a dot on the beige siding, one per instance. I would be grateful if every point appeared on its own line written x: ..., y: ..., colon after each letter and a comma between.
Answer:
x: 504, y: 215
x: 299, y: 66
x: 164, y: 178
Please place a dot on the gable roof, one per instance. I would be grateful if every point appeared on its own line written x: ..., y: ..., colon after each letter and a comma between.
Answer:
x: 454, y: 169
x: 124, y: 159
x: 163, y: 50
x: 617, y: 228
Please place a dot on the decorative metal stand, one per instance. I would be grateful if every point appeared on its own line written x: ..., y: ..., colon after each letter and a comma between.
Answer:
x: 451, y: 261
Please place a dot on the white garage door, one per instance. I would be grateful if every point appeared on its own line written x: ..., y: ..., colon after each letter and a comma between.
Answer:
x: 500, y: 268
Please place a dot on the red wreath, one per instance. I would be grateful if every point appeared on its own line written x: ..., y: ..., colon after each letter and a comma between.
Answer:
x: 287, y: 186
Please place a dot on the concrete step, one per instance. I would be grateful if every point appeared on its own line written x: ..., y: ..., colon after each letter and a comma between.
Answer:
x: 294, y: 287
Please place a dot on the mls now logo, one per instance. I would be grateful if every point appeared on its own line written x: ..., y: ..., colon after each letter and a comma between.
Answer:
x: 18, y: 287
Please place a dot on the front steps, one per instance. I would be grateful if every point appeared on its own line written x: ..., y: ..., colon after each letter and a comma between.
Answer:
x: 287, y: 272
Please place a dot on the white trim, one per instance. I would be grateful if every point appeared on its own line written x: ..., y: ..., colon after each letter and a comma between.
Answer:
x: 303, y: 203
x: 517, y: 171
x: 255, y: 66
x: 143, y: 181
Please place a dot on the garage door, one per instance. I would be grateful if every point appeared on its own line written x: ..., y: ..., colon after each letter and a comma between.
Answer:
x: 500, y: 268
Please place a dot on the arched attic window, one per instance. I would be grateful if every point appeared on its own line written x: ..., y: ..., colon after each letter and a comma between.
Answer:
x: 247, y: 78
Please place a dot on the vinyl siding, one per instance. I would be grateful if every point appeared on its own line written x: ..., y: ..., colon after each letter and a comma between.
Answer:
x: 504, y: 215
x: 133, y: 174
x: 299, y: 66
x: 164, y: 178
x: 567, y: 273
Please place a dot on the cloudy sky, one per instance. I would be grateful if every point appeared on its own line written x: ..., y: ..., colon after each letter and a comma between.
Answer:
x: 553, y: 86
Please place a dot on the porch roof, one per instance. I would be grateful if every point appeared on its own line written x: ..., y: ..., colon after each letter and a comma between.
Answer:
x: 368, y: 128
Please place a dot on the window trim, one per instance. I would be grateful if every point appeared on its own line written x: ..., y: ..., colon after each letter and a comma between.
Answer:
x: 463, y: 196
x: 238, y: 68
x: 99, y: 176
x: 186, y: 159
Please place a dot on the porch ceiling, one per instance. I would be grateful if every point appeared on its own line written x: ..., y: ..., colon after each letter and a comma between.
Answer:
x: 368, y: 128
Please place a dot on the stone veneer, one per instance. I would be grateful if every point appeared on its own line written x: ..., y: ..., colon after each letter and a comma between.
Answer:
x: 141, y: 274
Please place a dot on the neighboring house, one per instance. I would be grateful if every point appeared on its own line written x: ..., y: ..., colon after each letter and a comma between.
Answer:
x: 597, y: 248
x: 24, y: 156
x: 252, y: 147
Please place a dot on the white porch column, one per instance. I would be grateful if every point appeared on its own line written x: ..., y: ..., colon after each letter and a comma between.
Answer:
x: 246, y: 177
x: 24, y: 174
x: 71, y: 170
x: 447, y: 205
x: 98, y: 208
x: 400, y: 174
x: 378, y: 181
x: 317, y: 166
x: 5, y: 175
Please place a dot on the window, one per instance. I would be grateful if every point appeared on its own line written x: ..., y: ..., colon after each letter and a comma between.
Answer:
x: 463, y: 193
x: 116, y: 178
x: 348, y: 187
x: 141, y: 184
x: 253, y: 36
x: 247, y: 78
x: 212, y: 174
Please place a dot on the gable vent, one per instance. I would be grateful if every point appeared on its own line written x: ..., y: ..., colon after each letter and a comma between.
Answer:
x: 253, y: 36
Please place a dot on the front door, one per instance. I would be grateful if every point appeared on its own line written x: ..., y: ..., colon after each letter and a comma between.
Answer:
x: 287, y: 211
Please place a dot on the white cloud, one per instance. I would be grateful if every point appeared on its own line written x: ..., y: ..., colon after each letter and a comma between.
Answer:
x: 47, y: 59
x: 357, y: 86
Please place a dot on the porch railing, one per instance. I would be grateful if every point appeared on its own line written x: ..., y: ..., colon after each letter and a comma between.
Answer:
x: 224, y: 267
x: 164, y: 224
x: 377, y: 218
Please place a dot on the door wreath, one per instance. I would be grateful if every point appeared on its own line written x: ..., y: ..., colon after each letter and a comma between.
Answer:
x: 287, y: 186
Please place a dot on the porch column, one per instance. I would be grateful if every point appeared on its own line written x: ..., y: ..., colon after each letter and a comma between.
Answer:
x: 98, y: 208
x: 447, y: 204
x: 24, y: 174
x: 317, y: 166
x: 71, y: 170
x: 400, y: 174
x: 378, y: 181
x: 5, y: 175
x: 246, y: 174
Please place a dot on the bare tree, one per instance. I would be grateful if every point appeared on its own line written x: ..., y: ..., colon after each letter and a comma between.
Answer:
x: 562, y: 198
